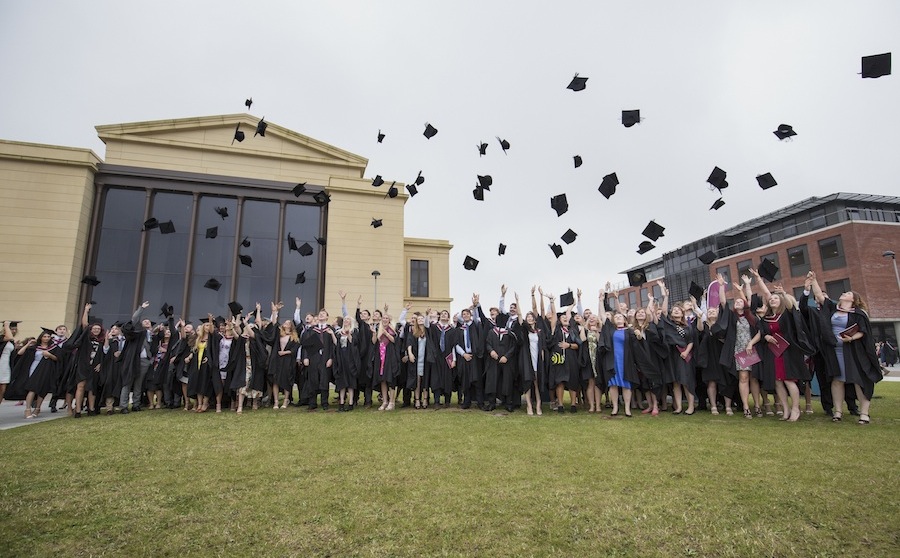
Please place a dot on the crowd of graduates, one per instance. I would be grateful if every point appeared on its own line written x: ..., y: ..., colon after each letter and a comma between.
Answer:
x: 679, y: 357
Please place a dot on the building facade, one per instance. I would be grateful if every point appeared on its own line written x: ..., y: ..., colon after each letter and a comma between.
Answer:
x: 235, y: 213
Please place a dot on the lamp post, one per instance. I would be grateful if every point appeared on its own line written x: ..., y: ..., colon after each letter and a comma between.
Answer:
x: 375, y: 275
x: 890, y: 254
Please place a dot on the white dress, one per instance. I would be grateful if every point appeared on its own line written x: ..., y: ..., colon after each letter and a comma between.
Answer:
x: 5, y: 370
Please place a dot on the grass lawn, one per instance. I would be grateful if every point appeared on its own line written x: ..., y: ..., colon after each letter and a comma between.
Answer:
x: 450, y: 482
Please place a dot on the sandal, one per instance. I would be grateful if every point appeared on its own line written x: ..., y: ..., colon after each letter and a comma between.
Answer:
x: 748, y: 414
x: 418, y: 404
x: 714, y: 411
x: 809, y: 410
x: 837, y: 416
x: 758, y: 411
x: 729, y: 412
x: 863, y: 419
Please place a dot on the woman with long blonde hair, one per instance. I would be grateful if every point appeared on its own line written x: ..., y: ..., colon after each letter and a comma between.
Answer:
x: 283, y: 361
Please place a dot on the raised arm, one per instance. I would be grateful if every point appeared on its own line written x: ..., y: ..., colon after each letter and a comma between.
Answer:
x: 665, y: 294
x: 519, y: 313
x: 578, y: 307
x: 343, y: 295
x: 816, y: 289
x: 84, y: 315
x: 762, y: 284
x: 552, y: 312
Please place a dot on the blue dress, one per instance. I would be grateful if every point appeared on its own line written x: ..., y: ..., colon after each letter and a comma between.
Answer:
x: 838, y: 324
x: 618, y: 379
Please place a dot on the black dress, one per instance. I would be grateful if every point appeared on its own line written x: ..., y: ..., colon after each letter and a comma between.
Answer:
x: 43, y: 380
x: 281, y: 368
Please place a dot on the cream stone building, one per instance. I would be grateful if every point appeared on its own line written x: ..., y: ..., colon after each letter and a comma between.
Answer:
x: 66, y: 213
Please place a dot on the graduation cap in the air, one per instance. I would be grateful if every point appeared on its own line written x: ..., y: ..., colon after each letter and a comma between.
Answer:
x: 503, y: 144
x: 717, y: 179
x: 248, y: 102
x: 261, y: 128
x: 653, y: 230
x: 708, y: 257
x: 167, y: 227
x: 90, y: 280
x: 223, y: 212
x: 321, y: 197
x: 577, y: 161
x: 378, y: 181
x: 560, y: 204
x: 305, y: 249
x: 301, y: 278
x: 292, y: 244
x: 411, y: 188
x: 166, y: 309
x: 569, y: 236
x: 213, y: 284
x: 376, y: 223
x: 482, y: 149
x: 485, y: 181
x: 212, y: 232
x: 717, y: 204
x: 767, y: 270
x: 557, y: 250
x: 380, y: 136
x: 299, y: 189
x: 393, y: 191
x: 430, y: 131
x: 577, y: 83
x: 150, y: 223
x: 784, y: 131
x: 420, y: 179
x: 501, y: 250
x: 608, y: 185
x: 630, y: 118
x: 320, y: 240
x: 695, y: 291
x: 876, y: 65
x: 246, y: 242
x: 566, y: 299
x: 766, y: 181
x: 478, y: 193
x: 235, y: 308
x: 470, y: 263
x: 238, y: 134
x: 245, y: 260
x: 637, y: 277
x: 645, y: 247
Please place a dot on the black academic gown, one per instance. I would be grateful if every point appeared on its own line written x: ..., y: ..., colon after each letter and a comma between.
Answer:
x: 793, y: 330
x: 386, y: 369
x: 500, y: 378
x: 43, y: 380
x: 347, y: 363
x: 364, y: 378
x: 411, y: 342
x: 861, y: 366
x: 568, y: 372
x: 441, y: 373
x: 281, y: 368
x: 715, y: 353
x: 319, y: 346
x: 530, y: 373
x: 678, y: 369
x: 649, y: 356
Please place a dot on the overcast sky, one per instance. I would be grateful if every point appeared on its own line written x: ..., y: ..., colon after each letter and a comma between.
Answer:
x: 712, y: 80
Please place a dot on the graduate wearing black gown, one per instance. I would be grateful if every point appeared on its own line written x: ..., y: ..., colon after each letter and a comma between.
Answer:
x: 443, y: 336
x: 346, y: 364
x: 282, y: 366
x: 318, y: 343
x: 499, y: 369
x: 470, y: 358
x: 681, y: 338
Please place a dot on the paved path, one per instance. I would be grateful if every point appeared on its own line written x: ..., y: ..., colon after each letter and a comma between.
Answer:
x: 12, y: 415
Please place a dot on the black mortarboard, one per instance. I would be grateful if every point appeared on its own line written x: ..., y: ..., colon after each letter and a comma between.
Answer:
x: 501, y: 250
x: 320, y: 240
x: 470, y: 263
x: 238, y: 134
x: 90, y: 280
x: 378, y: 181
x: 645, y: 247
x: 246, y: 242
x: 292, y: 243
x: 876, y: 65
x: 245, y: 260
x: 430, y: 131
x: 301, y: 278
x: 223, y: 212
x: 566, y: 299
x: 637, y: 277
x: 557, y: 250
x: 94, y: 320
x: 708, y: 257
x: 482, y: 149
x: 577, y: 83
x: 503, y: 144
x: 248, y: 102
x: 696, y: 291
x: 717, y: 178
x: 653, y: 230
x: 630, y: 118
x: 213, y: 284
x: 299, y: 189
x: 766, y: 181
x: 411, y: 188
x: 166, y: 309
x: 420, y: 179
x: 577, y: 161
x: 767, y: 270
x: 212, y: 232
x: 569, y: 236
x: 117, y: 324
x: 15, y: 324
x: 784, y: 131
x: 47, y: 330
x: 150, y: 223
x: 608, y: 185
x: 485, y: 181
x: 478, y: 193
x: 261, y: 128
x: 167, y: 227
x: 321, y: 197
x: 235, y: 308
x: 393, y: 191
x: 305, y: 249
x: 560, y: 204
x: 380, y: 136
x: 717, y: 204
x: 219, y: 320
x: 376, y: 223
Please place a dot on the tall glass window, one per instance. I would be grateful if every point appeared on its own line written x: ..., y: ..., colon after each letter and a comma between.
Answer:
x: 167, y: 253
x: 117, y: 254
x: 302, y: 222
x: 259, y: 226
x: 213, y: 257
x: 418, y: 278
